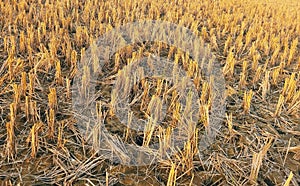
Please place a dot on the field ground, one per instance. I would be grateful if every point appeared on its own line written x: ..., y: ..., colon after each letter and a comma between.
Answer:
x: 255, y: 42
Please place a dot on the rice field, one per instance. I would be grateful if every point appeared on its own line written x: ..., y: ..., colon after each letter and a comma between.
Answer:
x: 45, y: 140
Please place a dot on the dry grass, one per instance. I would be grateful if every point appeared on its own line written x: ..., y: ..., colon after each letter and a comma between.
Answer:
x: 255, y: 42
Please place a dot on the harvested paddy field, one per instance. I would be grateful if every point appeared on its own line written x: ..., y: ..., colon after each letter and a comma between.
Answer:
x: 153, y: 92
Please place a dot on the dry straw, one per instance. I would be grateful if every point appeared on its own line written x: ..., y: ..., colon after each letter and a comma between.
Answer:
x: 247, y: 101
x: 41, y: 44
x: 33, y: 138
x: 257, y: 160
